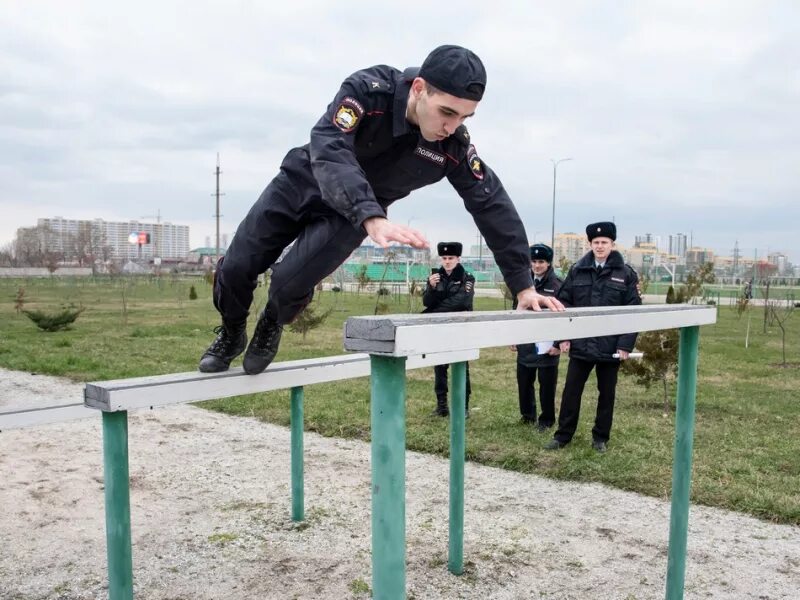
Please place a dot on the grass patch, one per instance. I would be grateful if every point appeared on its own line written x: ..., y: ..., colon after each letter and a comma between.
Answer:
x: 223, y: 538
x: 747, y: 431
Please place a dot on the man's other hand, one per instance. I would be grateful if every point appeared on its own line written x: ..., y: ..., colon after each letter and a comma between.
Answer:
x: 528, y: 299
x: 382, y: 232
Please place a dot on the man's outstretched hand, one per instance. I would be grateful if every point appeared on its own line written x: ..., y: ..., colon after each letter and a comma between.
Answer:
x: 528, y: 299
x: 382, y: 232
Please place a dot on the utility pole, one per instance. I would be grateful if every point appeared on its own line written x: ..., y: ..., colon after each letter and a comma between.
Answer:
x: 217, y: 214
x: 553, y: 222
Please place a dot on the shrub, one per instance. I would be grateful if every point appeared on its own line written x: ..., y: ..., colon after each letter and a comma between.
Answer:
x: 55, y: 321
x: 192, y: 293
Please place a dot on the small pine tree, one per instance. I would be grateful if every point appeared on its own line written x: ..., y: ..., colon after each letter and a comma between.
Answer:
x: 192, y: 293
x: 54, y: 321
x: 659, y: 363
x: 308, y: 320
x: 671, y: 295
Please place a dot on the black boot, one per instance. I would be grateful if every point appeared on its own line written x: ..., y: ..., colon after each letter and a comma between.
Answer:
x: 264, y: 345
x: 231, y: 341
x: 441, y: 409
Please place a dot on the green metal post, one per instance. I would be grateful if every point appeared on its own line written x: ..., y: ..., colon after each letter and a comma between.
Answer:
x: 298, y: 501
x: 118, y: 505
x: 458, y: 386
x: 682, y: 462
x: 388, y: 422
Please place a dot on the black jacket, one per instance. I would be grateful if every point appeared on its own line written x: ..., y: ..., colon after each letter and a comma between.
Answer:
x: 615, y: 285
x: 364, y: 154
x: 548, y: 285
x: 453, y: 293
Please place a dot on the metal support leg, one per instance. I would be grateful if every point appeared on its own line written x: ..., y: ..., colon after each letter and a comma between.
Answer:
x: 388, y: 422
x: 298, y: 500
x: 118, y: 505
x: 458, y: 385
x: 682, y: 462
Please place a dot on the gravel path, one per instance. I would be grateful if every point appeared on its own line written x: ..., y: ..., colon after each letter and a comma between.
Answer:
x: 210, y: 505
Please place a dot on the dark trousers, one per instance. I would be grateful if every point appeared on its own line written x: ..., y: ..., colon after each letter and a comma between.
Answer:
x: 526, y: 377
x: 440, y: 384
x: 577, y: 374
x: 289, y: 209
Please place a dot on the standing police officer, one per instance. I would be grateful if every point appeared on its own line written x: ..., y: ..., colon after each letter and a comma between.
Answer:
x: 386, y: 133
x: 449, y: 289
x: 539, y: 359
x: 599, y: 278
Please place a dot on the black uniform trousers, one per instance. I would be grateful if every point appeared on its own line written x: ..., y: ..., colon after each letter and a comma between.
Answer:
x: 526, y: 378
x: 577, y: 374
x: 440, y: 383
x: 289, y: 209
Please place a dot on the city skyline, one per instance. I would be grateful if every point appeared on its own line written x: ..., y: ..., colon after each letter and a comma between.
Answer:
x: 677, y: 116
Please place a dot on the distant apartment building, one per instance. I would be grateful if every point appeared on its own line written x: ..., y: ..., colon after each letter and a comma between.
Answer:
x: 698, y: 256
x: 571, y: 245
x: 677, y: 245
x: 780, y: 260
x: 119, y: 240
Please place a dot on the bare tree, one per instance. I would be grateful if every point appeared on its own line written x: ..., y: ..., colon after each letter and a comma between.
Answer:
x: 782, y: 312
x: 36, y: 247
x: 7, y: 255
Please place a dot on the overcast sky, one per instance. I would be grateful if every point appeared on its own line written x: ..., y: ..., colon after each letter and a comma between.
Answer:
x: 680, y: 116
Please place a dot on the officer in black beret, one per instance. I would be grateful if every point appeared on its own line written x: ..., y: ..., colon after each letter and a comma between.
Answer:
x: 539, y: 359
x: 386, y: 133
x: 599, y: 278
x: 449, y: 289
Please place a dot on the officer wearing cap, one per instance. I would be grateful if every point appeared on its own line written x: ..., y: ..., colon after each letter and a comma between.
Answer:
x: 386, y: 133
x: 540, y: 359
x: 599, y: 278
x: 449, y: 289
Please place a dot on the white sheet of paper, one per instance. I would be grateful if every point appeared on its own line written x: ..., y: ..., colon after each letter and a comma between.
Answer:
x: 543, y: 347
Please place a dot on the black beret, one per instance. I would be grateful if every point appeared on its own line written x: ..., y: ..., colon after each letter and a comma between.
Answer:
x: 601, y: 229
x: 449, y: 248
x: 456, y: 71
x: 542, y: 252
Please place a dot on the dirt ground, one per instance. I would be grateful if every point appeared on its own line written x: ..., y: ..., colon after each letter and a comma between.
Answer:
x: 210, y: 504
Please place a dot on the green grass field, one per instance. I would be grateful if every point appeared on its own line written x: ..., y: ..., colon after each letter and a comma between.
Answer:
x: 747, y: 435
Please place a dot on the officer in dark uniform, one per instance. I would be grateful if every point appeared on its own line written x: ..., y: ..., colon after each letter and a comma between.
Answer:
x: 386, y: 133
x: 599, y: 278
x: 449, y: 289
x: 539, y: 359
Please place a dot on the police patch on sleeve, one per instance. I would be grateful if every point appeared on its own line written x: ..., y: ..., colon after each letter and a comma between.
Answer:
x: 348, y: 114
x: 475, y: 164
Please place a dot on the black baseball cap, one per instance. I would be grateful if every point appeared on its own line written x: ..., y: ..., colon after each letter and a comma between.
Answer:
x: 456, y: 71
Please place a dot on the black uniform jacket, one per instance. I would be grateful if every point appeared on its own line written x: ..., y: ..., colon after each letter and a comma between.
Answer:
x: 615, y: 285
x: 453, y: 293
x: 548, y: 285
x: 364, y: 154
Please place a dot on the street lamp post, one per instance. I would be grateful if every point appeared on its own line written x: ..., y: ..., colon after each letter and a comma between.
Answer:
x: 553, y: 224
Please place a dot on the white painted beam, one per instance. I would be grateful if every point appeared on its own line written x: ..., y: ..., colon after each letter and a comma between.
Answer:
x: 404, y: 335
x: 147, y: 392
x: 28, y: 417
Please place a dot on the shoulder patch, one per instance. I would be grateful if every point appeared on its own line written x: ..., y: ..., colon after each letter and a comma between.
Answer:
x: 475, y: 164
x: 462, y: 135
x: 377, y: 86
x: 348, y: 114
